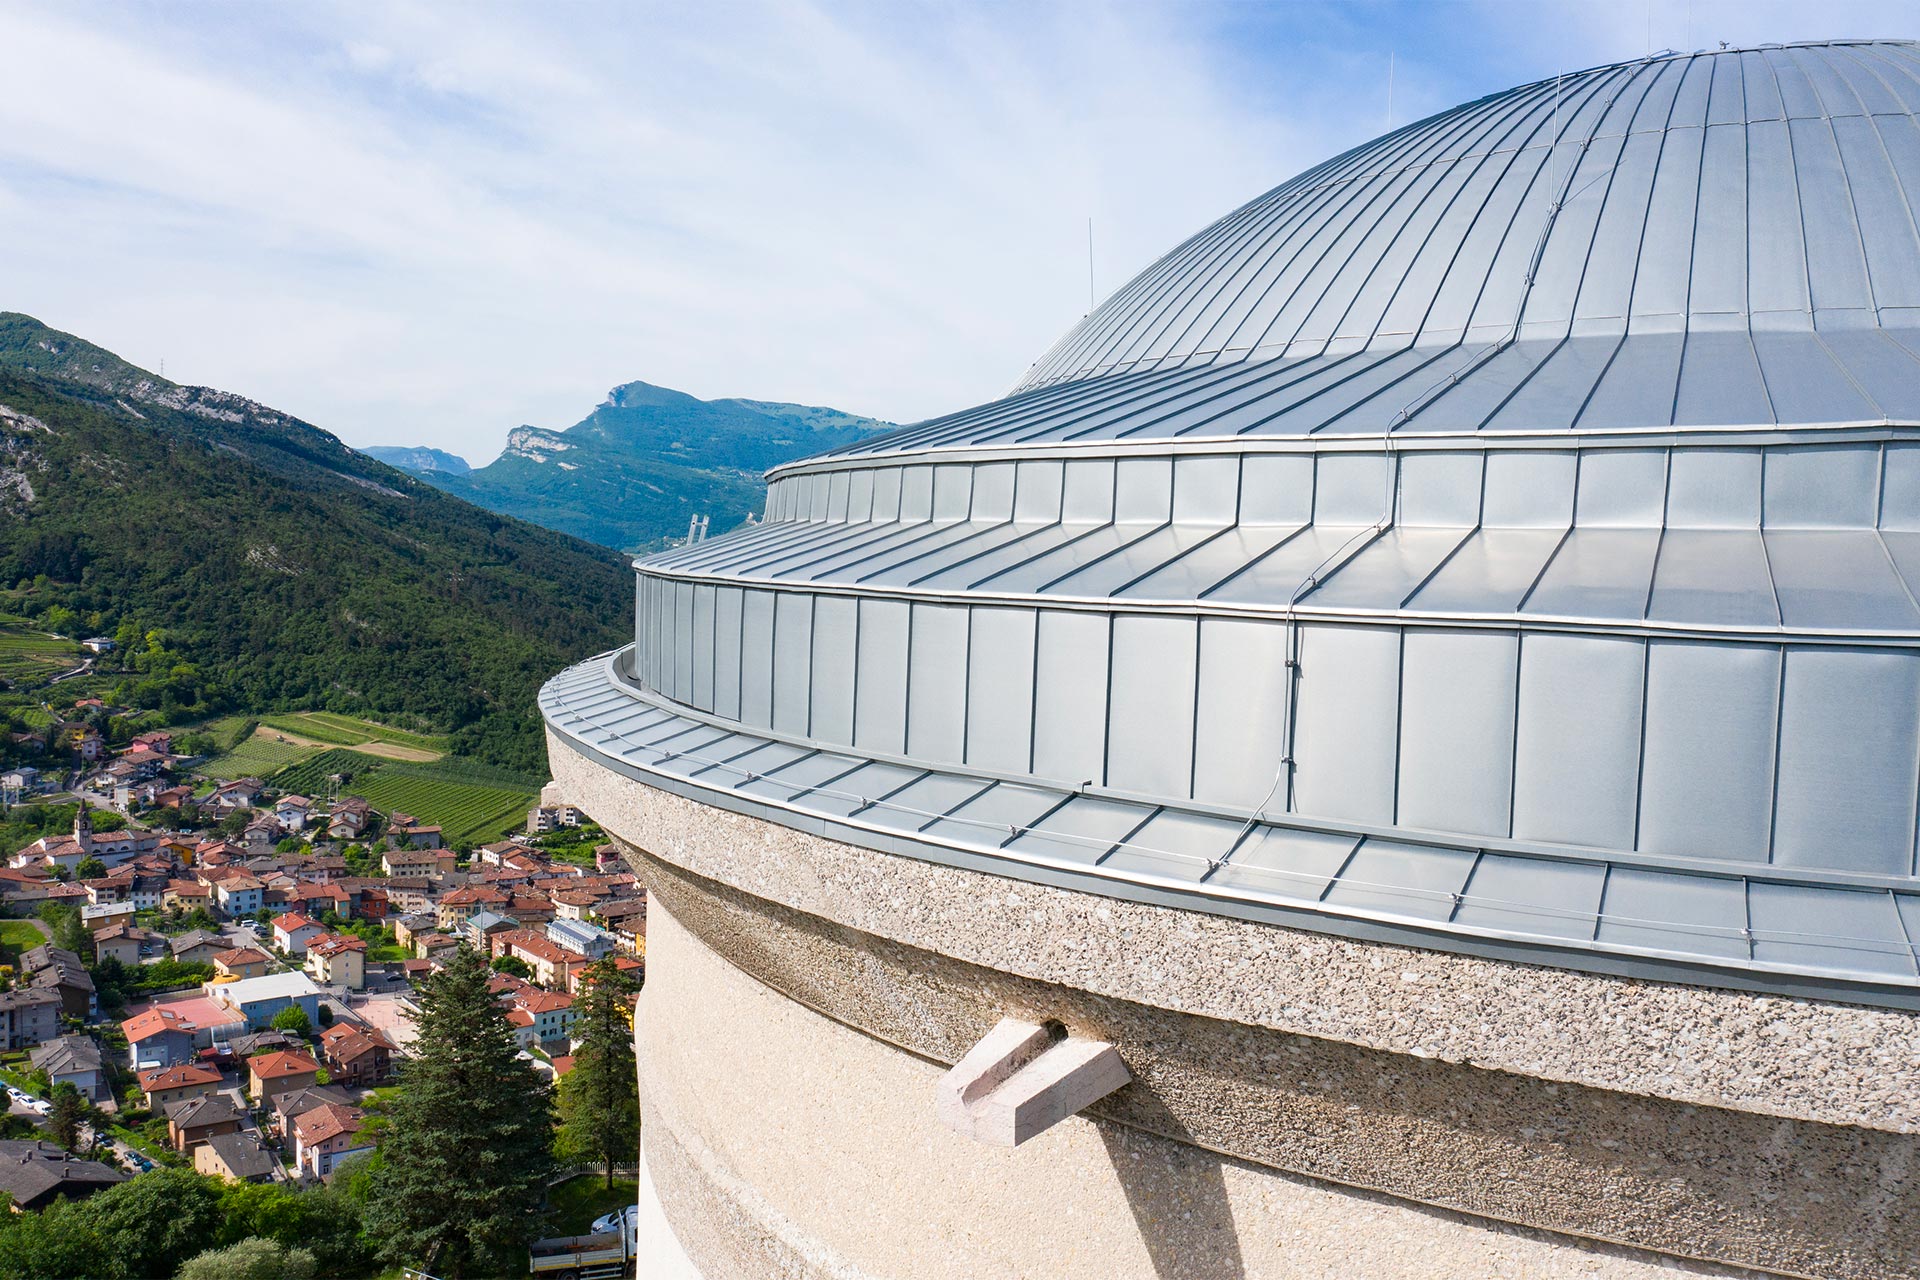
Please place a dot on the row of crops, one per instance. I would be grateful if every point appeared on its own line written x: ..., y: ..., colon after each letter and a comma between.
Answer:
x: 29, y: 655
x: 470, y: 802
x: 255, y: 758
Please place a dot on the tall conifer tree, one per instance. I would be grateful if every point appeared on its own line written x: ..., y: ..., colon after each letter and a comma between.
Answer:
x: 468, y: 1149
x: 599, y: 1098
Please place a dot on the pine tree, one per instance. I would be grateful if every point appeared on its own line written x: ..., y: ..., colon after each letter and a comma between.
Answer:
x: 468, y: 1152
x: 599, y: 1098
x: 64, y: 1115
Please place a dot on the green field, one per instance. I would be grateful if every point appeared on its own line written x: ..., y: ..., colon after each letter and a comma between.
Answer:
x: 256, y: 758
x: 350, y: 731
x: 26, y: 654
x: 229, y: 731
x: 471, y: 803
x: 17, y: 936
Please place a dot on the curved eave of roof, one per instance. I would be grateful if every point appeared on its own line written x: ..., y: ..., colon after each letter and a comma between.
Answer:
x: 1617, y: 914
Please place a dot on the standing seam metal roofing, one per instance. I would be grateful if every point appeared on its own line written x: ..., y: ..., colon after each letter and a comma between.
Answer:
x: 1504, y: 536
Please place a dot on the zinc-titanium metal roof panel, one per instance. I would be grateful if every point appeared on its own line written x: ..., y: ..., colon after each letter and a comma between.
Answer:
x: 1204, y: 563
x: 1804, y: 383
x: 1416, y: 880
x: 1838, y: 579
x: 1142, y: 558
x: 745, y: 766
x: 1083, y: 829
x: 1492, y: 572
x: 1672, y: 913
x: 1287, y: 573
x: 1532, y: 896
x: 1713, y: 577
x: 1720, y: 382
x: 994, y: 814
x: 785, y: 782
x: 1000, y: 655
x: 853, y: 792
x: 1598, y: 573
x: 1150, y: 711
x: 1708, y: 765
x: 924, y: 802
x: 1841, y: 931
x: 1578, y: 733
x: 1389, y: 570
x: 1639, y: 386
x: 1849, y: 736
x: 1347, y: 722
x: 981, y: 564
x: 1175, y: 845
x: 1458, y: 689
x: 1286, y: 862
x: 1240, y: 713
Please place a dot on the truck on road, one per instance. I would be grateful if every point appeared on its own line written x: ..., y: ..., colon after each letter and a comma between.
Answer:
x: 605, y: 1255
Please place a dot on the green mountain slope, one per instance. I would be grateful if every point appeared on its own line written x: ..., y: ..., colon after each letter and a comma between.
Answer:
x: 632, y: 472
x: 287, y: 569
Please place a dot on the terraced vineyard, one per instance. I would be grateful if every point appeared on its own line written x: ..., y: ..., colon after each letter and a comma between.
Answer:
x: 26, y: 654
x: 256, y: 758
x: 471, y: 803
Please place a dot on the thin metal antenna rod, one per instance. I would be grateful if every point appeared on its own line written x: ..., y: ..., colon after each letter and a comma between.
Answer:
x: 1090, y: 300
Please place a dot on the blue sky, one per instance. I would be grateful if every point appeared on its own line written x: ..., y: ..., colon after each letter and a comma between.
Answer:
x: 427, y: 224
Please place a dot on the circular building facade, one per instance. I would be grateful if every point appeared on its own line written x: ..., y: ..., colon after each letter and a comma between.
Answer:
x: 1429, y: 672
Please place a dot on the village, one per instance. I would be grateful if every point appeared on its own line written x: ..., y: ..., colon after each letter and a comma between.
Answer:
x: 226, y: 978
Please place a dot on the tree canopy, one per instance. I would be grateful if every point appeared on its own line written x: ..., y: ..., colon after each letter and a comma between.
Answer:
x: 466, y: 1159
x: 599, y: 1098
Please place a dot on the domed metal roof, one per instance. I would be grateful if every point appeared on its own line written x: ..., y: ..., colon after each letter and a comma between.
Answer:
x: 1504, y: 537
x: 1706, y: 239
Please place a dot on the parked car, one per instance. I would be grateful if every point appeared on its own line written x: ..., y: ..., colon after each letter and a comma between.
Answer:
x: 627, y: 1219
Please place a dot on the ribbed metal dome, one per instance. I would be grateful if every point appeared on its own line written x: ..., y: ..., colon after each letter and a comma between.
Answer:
x: 1504, y: 536
x: 1649, y: 244
x: 1685, y: 192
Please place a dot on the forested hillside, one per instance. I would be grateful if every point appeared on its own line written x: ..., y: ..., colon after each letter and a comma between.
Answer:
x: 279, y: 568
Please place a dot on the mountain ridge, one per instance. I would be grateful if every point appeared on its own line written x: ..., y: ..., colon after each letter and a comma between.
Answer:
x: 645, y: 460
x: 290, y: 570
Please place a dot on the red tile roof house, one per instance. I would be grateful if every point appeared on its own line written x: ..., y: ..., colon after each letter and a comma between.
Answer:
x: 456, y: 907
x: 160, y: 1038
x: 325, y: 1136
x: 297, y: 1102
x: 539, y: 1017
x: 552, y: 963
x: 338, y: 959
x: 293, y: 931
x: 165, y: 1086
x: 358, y: 1056
x: 242, y: 962
x: 272, y: 1074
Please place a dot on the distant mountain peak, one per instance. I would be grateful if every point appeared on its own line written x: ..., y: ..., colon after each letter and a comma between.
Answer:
x: 635, y: 395
x: 630, y: 473
x: 418, y: 459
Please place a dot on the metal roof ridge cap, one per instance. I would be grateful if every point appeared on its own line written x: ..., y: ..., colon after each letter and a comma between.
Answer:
x: 1730, y: 435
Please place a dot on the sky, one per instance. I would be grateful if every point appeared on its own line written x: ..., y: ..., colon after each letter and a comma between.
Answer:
x: 429, y: 224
